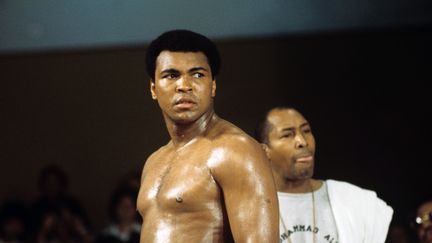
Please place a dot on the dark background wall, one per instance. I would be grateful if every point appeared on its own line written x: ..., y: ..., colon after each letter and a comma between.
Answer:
x: 90, y: 111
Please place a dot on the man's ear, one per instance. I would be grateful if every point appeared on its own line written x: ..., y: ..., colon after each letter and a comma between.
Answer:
x: 152, y: 89
x: 266, y: 149
x: 214, y: 88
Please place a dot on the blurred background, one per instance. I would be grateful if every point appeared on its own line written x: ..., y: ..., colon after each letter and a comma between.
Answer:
x: 75, y: 94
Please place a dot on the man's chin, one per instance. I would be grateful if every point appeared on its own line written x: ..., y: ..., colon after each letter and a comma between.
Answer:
x: 305, y: 173
x: 184, y: 118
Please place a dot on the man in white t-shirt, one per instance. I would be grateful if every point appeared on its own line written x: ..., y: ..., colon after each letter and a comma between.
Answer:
x: 314, y: 210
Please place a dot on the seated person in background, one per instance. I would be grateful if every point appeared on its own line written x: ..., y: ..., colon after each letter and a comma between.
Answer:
x: 125, y: 226
x: 63, y: 223
x: 314, y: 210
x: 13, y: 222
x: 56, y: 210
x: 423, y: 221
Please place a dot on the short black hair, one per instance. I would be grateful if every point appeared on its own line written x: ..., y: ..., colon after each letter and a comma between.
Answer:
x: 182, y: 41
x: 262, y: 129
x: 263, y: 126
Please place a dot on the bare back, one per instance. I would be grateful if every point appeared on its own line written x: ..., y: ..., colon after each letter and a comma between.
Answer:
x: 188, y: 194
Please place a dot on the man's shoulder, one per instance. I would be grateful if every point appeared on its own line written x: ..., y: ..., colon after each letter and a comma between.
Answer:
x: 160, y: 152
x: 336, y: 185
x: 347, y: 192
x: 236, y: 146
x: 234, y: 156
x: 227, y: 134
x: 343, y: 184
x: 237, y: 143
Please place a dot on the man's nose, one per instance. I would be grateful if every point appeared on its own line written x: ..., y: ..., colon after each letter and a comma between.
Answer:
x: 300, y: 141
x: 184, y: 84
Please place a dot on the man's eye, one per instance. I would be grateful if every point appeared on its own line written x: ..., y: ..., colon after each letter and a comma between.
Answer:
x: 170, y: 76
x: 287, y: 135
x: 307, y: 130
x: 198, y: 75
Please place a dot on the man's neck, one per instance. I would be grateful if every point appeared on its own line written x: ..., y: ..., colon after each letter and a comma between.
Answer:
x: 182, y: 134
x: 297, y: 186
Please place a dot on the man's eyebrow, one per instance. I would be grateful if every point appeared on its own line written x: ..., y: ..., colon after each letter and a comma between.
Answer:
x: 170, y: 70
x: 287, y: 129
x: 293, y: 128
x: 304, y: 124
x: 194, y: 69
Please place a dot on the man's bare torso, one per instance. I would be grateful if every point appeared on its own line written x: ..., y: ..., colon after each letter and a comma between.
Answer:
x: 179, y: 199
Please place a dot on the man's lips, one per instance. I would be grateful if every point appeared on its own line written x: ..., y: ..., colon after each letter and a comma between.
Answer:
x: 184, y: 103
x: 306, y: 157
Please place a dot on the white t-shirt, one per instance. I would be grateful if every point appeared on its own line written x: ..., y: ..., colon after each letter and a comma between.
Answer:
x: 296, y: 210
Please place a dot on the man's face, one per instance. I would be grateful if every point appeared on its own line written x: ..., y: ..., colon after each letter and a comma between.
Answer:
x: 183, y: 85
x: 424, y: 231
x: 291, y: 144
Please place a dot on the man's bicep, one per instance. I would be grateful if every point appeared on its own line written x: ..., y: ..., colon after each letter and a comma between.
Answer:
x: 250, y: 196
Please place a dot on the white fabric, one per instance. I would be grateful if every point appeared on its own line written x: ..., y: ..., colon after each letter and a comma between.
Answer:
x: 361, y: 217
x: 296, y: 210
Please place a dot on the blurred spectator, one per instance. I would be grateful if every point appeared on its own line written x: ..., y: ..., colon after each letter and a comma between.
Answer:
x: 56, y: 215
x: 13, y: 222
x: 124, y: 226
x: 63, y: 224
x: 422, y: 222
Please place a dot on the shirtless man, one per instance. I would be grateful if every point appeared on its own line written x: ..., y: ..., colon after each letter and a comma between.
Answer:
x: 211, y: 182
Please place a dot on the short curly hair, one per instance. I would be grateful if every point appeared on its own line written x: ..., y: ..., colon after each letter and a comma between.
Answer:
x: 182, y: 41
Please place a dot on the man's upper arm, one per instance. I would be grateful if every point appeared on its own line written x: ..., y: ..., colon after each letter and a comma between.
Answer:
x: 245, y: 177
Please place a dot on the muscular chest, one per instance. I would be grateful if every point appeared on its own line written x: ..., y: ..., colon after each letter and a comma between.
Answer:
x: 178, y: 182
